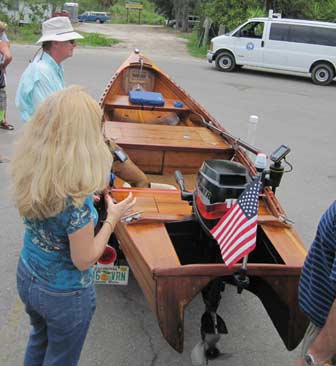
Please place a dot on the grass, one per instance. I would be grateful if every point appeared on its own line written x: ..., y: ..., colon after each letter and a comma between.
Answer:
x: 96, y: 40
x: 192, y: 44
x: 30, y: 33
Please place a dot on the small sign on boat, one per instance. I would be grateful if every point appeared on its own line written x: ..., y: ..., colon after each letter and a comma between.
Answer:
x: 114, y: 275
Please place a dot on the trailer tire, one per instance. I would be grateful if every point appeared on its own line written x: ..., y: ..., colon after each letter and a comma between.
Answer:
x: 226, y: 62
x: 322, y: 74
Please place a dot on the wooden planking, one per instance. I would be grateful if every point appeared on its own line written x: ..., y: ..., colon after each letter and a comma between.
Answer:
x: 287, y: 244
x: 154, y: 245
x: 165, y: 137
x: 148, y: 161
x: 189, y: 180
x: 192, y: 160
x: 156, y: 201
x: 138, y: 264
x: 122, y: 101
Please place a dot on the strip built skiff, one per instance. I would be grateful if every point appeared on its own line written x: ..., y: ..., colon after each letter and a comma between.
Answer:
x: 169, y: 250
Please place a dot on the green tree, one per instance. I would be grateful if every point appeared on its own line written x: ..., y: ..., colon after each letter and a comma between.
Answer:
x: 165, y: 7
x: 231, y: 12
x: 106, y: 4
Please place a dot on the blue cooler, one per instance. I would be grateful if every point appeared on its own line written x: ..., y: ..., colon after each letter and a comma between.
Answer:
x: 146, y: 98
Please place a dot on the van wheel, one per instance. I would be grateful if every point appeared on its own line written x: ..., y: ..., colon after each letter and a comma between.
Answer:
x: 98, y: 21
x: 322, y: 74
x: 225, y: 62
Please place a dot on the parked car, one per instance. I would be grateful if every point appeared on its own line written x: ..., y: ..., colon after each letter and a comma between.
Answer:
x: 294, y: 45
x: 192, y: 20
x: 94, y: 16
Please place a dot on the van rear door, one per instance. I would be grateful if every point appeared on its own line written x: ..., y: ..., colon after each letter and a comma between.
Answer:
x: 248, y: 41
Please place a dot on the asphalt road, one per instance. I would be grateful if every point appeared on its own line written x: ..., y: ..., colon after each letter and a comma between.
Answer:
x: 292, y: 111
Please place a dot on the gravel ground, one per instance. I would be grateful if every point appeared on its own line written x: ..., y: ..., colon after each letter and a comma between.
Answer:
x: 147, y: 38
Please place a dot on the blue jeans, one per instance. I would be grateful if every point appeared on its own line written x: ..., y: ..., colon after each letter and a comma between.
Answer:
x: 60, y: 320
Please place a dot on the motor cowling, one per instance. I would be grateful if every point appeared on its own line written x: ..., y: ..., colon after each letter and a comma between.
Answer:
x: 219, y: 184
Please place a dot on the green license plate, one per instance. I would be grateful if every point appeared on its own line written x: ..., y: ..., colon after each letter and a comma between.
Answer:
x: 114, y: 275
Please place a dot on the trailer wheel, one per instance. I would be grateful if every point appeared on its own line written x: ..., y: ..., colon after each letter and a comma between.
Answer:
x: 322, y: 74
x: 226, y: 62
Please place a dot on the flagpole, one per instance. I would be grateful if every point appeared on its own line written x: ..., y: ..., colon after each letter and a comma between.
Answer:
x: 244, y: 265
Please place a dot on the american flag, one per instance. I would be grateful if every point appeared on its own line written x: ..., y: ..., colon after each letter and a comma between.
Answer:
x: 236, y: 231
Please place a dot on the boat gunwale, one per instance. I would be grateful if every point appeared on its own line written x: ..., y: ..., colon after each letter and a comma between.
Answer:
x: 220, y: 270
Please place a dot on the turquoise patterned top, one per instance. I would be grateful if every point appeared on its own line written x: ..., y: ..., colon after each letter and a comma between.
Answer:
x: 46, y: 249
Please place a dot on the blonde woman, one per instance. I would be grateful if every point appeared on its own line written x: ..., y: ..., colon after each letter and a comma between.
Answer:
x: 59, y: 162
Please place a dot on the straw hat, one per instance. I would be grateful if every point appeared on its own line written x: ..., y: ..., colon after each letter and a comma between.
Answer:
x: 58, y: 29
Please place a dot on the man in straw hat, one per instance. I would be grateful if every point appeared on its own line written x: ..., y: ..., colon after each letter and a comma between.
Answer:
x: 44, y: 75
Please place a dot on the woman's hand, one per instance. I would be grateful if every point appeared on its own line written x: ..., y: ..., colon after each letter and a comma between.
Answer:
x: 116, y: 211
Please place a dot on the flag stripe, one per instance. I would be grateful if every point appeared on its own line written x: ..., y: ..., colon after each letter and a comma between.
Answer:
x: 222, y: 224
x: 241, y: 230
x: 246, y: 236
x: 232, y: 226
x: 246, y: 249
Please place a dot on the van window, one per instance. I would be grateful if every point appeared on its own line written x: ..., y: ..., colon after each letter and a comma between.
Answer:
x: 300, y: 34
x: 324, y: 36
x: 303, y: 34
x: 250, y: 30
x: 279, y: 32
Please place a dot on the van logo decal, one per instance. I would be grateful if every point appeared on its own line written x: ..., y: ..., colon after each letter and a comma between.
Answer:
x: 250, y: 46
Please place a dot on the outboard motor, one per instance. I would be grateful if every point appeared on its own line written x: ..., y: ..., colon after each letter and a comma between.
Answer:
x: 219, y: 185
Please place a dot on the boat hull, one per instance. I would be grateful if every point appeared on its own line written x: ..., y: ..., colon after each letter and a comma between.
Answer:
x: 171, y: 259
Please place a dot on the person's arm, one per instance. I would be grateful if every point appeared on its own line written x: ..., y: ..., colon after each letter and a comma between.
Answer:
x: 7, y: 55
x: 324, y: 346
x: 85, y: 248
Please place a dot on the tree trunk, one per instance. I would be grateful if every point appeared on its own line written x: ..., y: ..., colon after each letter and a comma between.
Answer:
x: 269, y: 4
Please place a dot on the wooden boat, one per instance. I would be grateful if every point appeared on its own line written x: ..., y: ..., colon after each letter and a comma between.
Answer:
x: 169, y: 255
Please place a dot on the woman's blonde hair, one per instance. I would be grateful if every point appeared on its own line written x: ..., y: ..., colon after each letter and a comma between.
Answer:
x: 61, y: 155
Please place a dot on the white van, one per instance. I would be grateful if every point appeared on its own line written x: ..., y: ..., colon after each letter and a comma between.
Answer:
x: 282, y: 44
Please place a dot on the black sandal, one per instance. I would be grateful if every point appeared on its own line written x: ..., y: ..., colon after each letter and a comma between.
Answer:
x: 6, y: 126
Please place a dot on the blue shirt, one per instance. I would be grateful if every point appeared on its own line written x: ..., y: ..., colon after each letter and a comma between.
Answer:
x: 317, y: 290
x: 46, y: 248
x: 41, y: 78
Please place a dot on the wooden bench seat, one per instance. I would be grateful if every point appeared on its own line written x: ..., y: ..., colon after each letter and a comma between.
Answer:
x: 158, y: 149
x: 163, y: 136
x: 122, y: 102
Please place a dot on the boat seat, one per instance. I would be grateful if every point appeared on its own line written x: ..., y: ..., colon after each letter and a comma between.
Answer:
x: 156, y: 149
x: 164, y: 136
x: 123, y: 102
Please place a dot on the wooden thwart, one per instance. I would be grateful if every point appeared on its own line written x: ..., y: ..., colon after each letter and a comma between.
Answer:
x: 165, y: 137
x: 123, y: 102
